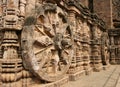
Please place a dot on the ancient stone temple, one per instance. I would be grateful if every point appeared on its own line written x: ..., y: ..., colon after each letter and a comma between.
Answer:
x: 46, y: 43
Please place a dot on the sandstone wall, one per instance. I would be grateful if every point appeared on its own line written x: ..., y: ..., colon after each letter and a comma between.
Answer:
x: 104, y: 9
x: 41, y: 42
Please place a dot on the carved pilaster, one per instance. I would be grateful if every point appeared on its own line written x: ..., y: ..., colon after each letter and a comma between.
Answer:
x: 73, y: 27
x: 79, y: 58
x: 96, y: 60
x: 112, y: 51
x: 10, y: 61
x: 78, y: 44
x: 86, y: 47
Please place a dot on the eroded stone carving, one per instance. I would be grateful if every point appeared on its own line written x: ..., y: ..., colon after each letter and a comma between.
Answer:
x: 50, y: 40
x: 40, y: 39
x: 105, y: 48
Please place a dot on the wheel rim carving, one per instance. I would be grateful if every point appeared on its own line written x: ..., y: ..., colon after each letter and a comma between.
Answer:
x: 47, y: 45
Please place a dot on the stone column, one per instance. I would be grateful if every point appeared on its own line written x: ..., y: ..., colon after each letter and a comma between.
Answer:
x: 96, y: 60
x: 72, y: 20
x: 79, y: 60
x: 112, y: 51
x: 78, y: 45
x: 86, y: 47
x: 118, y: 56
x: 11, y: 62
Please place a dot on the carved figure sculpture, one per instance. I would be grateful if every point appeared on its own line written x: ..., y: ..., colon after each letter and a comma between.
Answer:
x: 105, y: 48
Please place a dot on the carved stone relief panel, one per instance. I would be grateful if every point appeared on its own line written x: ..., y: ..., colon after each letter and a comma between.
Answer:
x: 105, y: 49
x: 47, y: 45
x: 78, y: 38
x: 38, y: 36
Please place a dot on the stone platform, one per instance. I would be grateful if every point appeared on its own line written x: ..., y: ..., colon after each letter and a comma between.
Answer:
x: 60, y: 83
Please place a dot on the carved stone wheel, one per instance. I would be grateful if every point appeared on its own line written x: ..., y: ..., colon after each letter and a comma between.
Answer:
x: 47, y: 46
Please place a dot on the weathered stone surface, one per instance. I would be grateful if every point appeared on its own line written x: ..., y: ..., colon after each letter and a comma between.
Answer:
x: 42, y: 41
x: 103, y: 8
x: 47, y: 44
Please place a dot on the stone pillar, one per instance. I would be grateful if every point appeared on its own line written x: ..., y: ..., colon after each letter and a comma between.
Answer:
x: 72, y: 20
x: 118, y: 56
x: 76, y: 68
x: 105, y: 49
x: 79, y: 60
x: 10, y: 61
x: 86, y: 47
x: 78, y: 44
x: 96, y: 60
x: 112, y: 51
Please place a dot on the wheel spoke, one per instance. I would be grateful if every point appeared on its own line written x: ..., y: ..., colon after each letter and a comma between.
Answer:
x: 52, y: 46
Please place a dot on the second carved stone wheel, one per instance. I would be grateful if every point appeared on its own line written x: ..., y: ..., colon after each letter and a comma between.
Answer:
x: 47, y: 46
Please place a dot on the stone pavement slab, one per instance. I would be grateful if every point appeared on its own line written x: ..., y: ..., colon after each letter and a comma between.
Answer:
x: 118, y: 83
x: 104, y: 78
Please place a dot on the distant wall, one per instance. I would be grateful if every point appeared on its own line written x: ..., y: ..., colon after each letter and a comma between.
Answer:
x: 104, y: 9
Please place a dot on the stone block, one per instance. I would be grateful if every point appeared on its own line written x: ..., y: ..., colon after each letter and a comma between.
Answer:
x: 76, y: 76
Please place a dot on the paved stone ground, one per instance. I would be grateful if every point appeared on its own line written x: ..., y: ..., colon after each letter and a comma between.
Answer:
x: 104, y: 78
x: 118, y: 83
